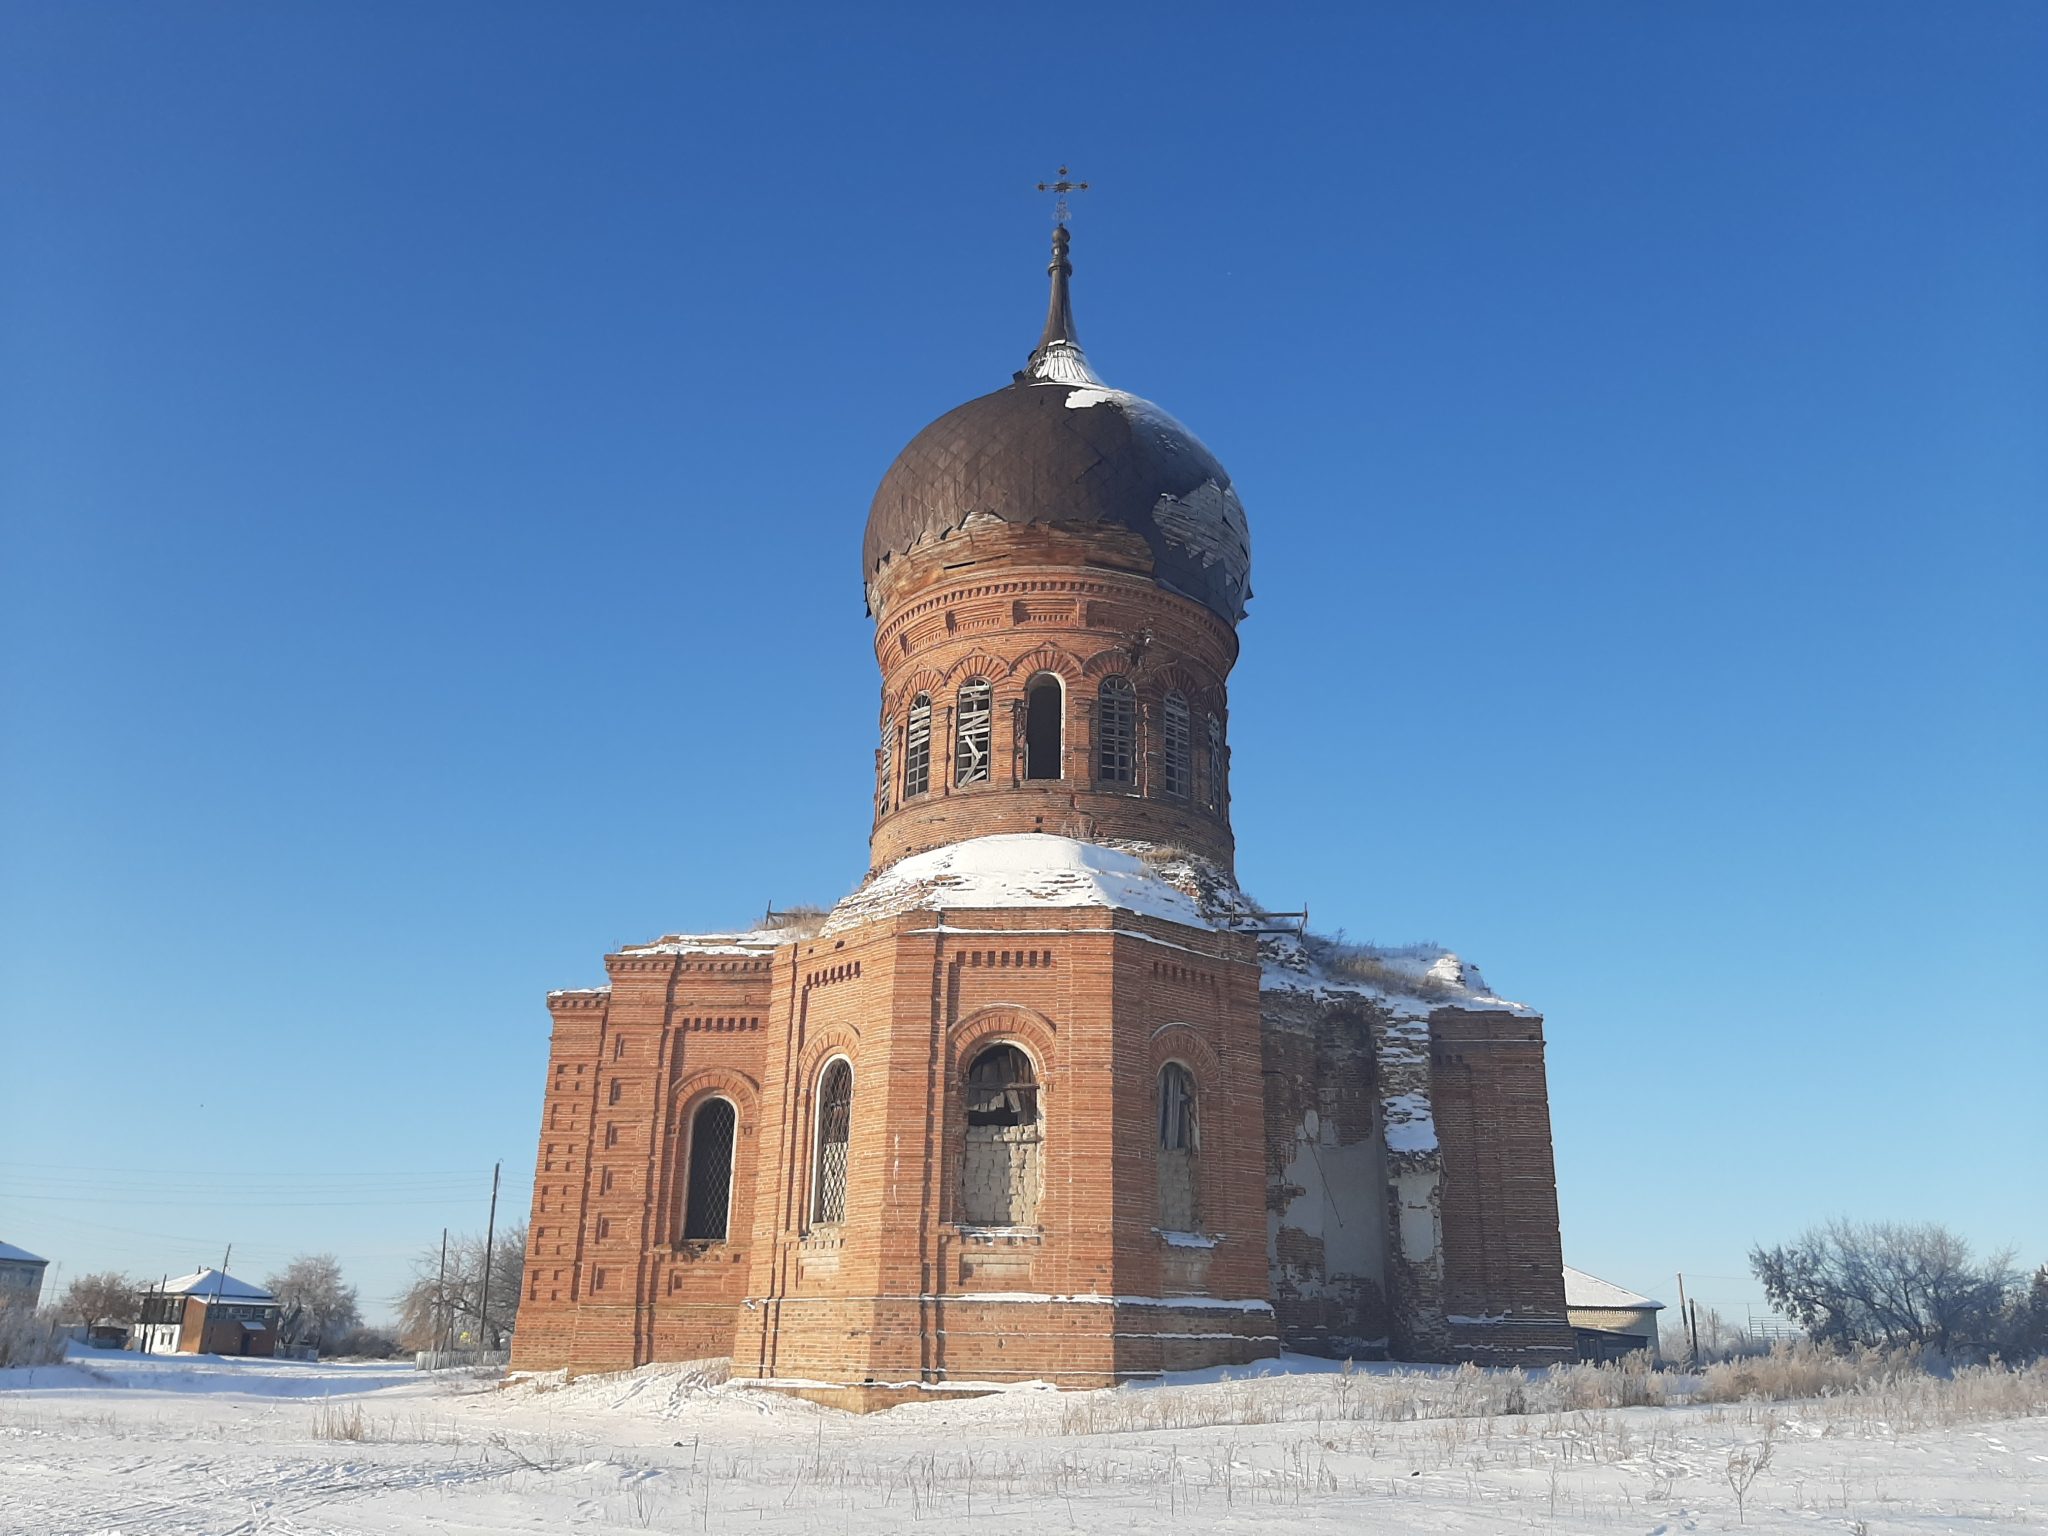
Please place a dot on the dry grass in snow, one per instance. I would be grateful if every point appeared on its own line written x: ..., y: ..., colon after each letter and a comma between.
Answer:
x: 116, y: 1444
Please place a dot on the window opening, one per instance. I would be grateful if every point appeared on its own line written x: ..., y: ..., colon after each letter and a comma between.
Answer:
x: 1001, y: 1173
x: 1043, y: 727
x: 1179, y: 1146
x: 1116, y: 732
x: 1215, y: 764
x: 1177, y: 767
x: 834, y: 1121
x: 974, y: 733
x: 888, y: 768
x: 709, y: 1204
x: 917, y: 748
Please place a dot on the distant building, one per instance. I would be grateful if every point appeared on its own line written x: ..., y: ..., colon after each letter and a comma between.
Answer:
x: 206, y: 1313
x: 21, y: 1276
x: 1608, y: 1321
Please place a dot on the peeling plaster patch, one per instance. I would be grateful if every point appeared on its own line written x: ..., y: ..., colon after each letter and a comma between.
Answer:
x: 1416, y: 1193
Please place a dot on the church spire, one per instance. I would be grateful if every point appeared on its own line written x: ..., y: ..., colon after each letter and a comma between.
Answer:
x: 1059, y: 359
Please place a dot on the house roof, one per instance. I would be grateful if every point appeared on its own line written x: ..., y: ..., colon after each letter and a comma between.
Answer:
x: 209, y: 1283
x: 13, y: 1255
x: 1584, y: 1290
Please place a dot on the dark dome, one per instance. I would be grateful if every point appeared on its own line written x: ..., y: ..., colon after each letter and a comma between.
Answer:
x: 1071, y: 454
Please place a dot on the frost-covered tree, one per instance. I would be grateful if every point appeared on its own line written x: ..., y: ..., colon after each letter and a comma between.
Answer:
x: 106, y: 1297
x: 437, y: 1312
x: 1890, y: 1284
x: 319, y: 1307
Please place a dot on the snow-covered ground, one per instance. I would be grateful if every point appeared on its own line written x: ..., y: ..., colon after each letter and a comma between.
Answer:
x: 119, y: 1444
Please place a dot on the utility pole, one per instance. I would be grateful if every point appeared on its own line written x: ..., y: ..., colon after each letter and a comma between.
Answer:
x: 1692, y: 1350
x: 441, y: 1299
x: 483, y: 1327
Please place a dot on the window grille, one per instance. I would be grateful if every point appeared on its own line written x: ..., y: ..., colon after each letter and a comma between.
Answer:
x: 973, y: 734
x: 884, y: 778
x: 1116, y: 732
x: 834, y: 1120
x: 709, y: 1205
x: 1215, y: 764
x: 1177, y: 767
x: 917, y: 748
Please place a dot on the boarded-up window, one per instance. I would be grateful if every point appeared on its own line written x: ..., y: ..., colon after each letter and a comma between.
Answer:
x: 834, y: 1129
x: 917, y: 748
x: 1179, y: 1149
x: 972, y: 734
x: 1176, y: 764
x: 1001, y: 1172
x: 708, y: 1204
x: 1116, y: 732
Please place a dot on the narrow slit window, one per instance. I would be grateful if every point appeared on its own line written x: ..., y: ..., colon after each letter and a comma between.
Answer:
x: 917, y: 748
x: 885, y: 768
x: 1179, y: 1148
x: 1215, y: 764
x: 835, y: 1123
x: 1116, y: 732
x: 1043, y: 727
x: 708, y: 1207
x: 1176, y: 764
x: 973, y: 734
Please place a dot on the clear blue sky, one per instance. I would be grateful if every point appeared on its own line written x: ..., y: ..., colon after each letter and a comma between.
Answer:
x: 434, y: 445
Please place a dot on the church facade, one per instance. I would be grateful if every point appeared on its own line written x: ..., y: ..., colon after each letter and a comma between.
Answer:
x: 1048, y: 1097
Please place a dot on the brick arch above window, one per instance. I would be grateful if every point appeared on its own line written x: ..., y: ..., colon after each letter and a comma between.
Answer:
x: 981, y: 664
x: 832, y: 1040
x: 690, y: 1090
x: 1102, y: 663
x: 1184, y: 1043
x: 1026, y: 1028
x: 903, y: 689
x: 1048, y: 658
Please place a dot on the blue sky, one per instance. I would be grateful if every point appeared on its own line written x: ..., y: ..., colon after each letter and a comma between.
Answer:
x: 434, y: 444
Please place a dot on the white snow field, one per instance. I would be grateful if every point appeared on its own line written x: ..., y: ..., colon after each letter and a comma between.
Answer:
x: 112, y: 1443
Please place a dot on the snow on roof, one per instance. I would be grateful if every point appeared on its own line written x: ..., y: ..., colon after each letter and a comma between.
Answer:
x: 1018, y: 869
x: 13, y: 1255
x: 755, y: 941
x: 209, y: 1282
x: 1584, y: 1290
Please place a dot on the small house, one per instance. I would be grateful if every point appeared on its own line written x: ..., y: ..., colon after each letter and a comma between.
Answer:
x: 21, y: 1277
x: 207, y: 1312
x: 1607, y: 1320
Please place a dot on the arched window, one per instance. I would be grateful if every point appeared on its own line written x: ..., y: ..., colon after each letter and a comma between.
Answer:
x: 886, y: 759
x: 972, y: 733
x: 1116, y: 732
x: 1179, y: 1146
x: 1000, y: 1175
x: 917, y: 748
x: 1044, y: 707
x: 834, y: 1121
x: 707, y: 1200
x: 1177, y: 768
x: 1215, y: 764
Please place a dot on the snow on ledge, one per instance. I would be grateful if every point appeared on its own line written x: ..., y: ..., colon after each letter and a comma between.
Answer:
x: 1018, y: 870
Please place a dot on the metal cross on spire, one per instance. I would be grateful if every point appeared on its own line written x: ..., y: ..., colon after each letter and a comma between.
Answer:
x: 1060, y: 189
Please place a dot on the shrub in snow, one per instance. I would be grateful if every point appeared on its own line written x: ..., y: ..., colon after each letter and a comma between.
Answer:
x: 28, y: 1337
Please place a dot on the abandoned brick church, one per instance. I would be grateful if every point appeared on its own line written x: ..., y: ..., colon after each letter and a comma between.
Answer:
x: 1047, y: 1097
